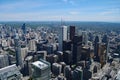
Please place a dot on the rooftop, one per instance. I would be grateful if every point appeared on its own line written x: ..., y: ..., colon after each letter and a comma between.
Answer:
x: 40, y: 64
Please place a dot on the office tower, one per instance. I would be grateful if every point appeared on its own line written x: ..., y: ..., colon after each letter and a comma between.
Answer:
x: 17, y: 50
x: 48, y: 48
x: 95, y: 69
x: 56, y: 69
x: 4, y: 43
x: 87, y: 74
x: 28, y: 67
x: 24, y: 28
x: 67, y: 45
x: 62, y: 34
x: 40, y: 44
x: 85, y: 38
x: 4, y: 61
x: 72, y: 32
x: 65, y: 32
x: 23, y: 52
x: 32, y: 45
x: 67, y: 57
x: 77, y: 74
x: 106, y: 41
x: 102, y: 53
x: 67, y: 73
x: 52, y: 58
x: 41, y: 54
x: 10, y: 73
x: 63, y: 66
x: 85, y: 53
x: 96, y: 47
x: 77, y: 45
x: 60, y: 56
x: 41, y: 70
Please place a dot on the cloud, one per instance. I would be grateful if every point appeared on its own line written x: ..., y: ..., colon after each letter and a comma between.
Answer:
x: 111, y: 11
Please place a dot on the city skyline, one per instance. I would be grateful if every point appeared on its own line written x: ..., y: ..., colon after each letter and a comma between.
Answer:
x: 54, y: 10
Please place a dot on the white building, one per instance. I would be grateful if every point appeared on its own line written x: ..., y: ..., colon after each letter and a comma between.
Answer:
x: 41, y: 70
x: 23, y: 52
x: 10, y: 73
x: 32, y: 45
x: 63, y: 35
x: 4, y: 60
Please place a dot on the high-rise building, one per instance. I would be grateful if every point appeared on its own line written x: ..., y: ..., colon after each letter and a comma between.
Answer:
x: 52, y: 58
x: 67, y: 73
x: 62, y: 34
x: 96, y: 47
x: 77, y: 74
x: 23, y: 52
x: 77, y: 45
x: 102, y: 53
x: 10, y: 73
x: 56, y: 69
x: 41, y: 54
x: 4, y: 61
x: 32, y: 45
x: 24, y: 28
x: 67, y: 45
x: 85, y: 53
x: 41, y: 70
x: 60, y: 56
x: 17, y: 50
x: 87, y: 74
x: 105, y: 40
x: 72, y: 32
x: 65, y: 32
x: 67, y: 57
x: 85, y: 38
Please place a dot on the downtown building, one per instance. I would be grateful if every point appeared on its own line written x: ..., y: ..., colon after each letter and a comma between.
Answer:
x: 41, y: 70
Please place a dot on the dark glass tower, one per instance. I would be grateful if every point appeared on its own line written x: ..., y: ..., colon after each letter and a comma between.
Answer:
x: 24, y: 28
x: 72, y: 32
x: 96, y: 47
x: 77, y: 46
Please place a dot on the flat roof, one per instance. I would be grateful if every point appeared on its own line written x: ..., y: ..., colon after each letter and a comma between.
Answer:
x: 40, y: 64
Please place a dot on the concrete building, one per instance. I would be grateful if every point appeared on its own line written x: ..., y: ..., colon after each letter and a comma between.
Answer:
x: 32, y: 45
x: 41, y: 70
x: 4, y: 61
x: 10, y: 73
x: 56, y: 69
x: 77, y: 74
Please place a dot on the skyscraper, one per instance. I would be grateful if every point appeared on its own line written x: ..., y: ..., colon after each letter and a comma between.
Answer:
x: 24, y: 28
x: 4, y: 60
x: 85, y: 38
x: 96, y: 47
x: 77, y: 74
x: 77, y: 45
x: 72, y: 32
x: 62, y: 36
x: 32, y: 45
x: 17, y: 50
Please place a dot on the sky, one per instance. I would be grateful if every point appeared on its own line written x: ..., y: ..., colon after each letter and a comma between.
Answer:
x: 55, y: 10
